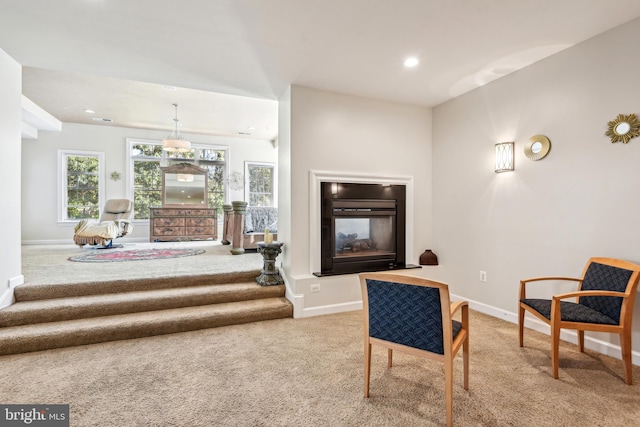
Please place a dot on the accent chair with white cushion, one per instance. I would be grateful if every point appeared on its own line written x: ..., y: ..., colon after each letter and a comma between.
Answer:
x: 113, y: 223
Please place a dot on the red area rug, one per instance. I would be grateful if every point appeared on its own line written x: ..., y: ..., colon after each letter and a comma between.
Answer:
x: 135, y: 255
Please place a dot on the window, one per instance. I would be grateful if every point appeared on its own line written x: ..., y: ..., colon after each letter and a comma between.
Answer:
x: 145, y: 177
x: 261, y: 189
x: 81, y: 184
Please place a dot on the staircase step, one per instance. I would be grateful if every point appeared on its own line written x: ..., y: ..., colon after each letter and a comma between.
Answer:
x: 59, y: 309
x: 68, y: 333
x: 40, y: 292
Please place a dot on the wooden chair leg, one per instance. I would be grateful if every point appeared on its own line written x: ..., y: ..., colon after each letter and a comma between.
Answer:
x: 465, y: 362
x: 581, y: 341
x: 389, y: 358
x: 367, y: 368
x: 555, y: 336
x: 521, y: 324
x: 625, y: 346
x: 555, y: 350
x: 448, y: 390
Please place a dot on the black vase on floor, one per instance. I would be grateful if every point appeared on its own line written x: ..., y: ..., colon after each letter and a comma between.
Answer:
x: 428, y: 258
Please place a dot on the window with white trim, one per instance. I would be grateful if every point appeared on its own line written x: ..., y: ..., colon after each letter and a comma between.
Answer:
x: 81, y: 184
x: 145, y: 175
x: 261, y: 188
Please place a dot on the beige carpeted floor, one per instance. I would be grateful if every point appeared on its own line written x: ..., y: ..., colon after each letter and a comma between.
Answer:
x: 48, y: 264
x: 308, y: 372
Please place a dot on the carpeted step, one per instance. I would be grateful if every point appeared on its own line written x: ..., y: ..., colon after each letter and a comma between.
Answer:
x: 39, y: 292
x: 44, y: 336
x: 58, y: 309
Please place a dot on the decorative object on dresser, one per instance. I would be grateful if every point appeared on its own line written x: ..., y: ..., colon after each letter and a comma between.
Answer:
x: 184, y: 214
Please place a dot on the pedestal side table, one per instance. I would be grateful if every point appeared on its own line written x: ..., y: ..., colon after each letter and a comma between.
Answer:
x: 269, y: 276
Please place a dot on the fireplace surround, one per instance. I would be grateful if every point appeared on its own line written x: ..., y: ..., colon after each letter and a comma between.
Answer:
x: 363, y: 228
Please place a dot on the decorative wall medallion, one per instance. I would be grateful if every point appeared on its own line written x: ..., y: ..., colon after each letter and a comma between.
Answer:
x: 116, y: 176
x: 538, y: 147
x: 236, y: 181
x: 623, y: 128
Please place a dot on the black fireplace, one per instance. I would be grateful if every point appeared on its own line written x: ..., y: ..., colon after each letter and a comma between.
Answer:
x: 362, y: 228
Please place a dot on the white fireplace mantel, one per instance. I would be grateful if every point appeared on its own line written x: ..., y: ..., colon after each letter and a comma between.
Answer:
x: 317, y: 177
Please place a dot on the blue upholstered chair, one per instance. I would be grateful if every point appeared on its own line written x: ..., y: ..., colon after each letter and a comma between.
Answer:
x: 603, y: 303
x: 414, y: 315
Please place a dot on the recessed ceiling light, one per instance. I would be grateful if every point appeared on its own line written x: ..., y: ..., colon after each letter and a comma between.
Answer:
x: 101, y: 119
x: 169, y: 88
x: 411, y: 62
x: 89, y: 111
x: 252, y: 128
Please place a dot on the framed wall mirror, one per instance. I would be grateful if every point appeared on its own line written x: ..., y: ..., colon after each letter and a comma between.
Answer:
x: 184, y: 185
x: 623, y: 128
x: 538, y: 147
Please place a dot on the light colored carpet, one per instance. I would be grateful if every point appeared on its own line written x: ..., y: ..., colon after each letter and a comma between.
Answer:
x: 48, y: 264
x: 308, y: 372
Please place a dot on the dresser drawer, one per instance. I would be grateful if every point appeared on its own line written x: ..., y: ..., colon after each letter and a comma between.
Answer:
x: 169, y: 222
x: 200, y: 212
x: 168, y: 231
x: 190, y: 231
x: 168, y: 212
x: 199, y: 222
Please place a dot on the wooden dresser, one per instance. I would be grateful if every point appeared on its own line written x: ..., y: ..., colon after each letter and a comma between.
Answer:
x: 170, y: 224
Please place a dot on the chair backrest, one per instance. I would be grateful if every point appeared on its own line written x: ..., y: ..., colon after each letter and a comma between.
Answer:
x: 117, y: 209
x: 611, y: 275
x: 406, y: 310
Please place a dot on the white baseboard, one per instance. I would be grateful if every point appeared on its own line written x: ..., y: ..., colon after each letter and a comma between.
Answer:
x: 571, y: 336
x: 332, y: 309
x: 7, y: 298
x: 296, y: 299
x: 16, y: 281
x: 70, y: 241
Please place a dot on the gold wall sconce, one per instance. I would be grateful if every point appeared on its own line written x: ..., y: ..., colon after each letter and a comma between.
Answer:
x: 504, y: 157
x: 623, y: 128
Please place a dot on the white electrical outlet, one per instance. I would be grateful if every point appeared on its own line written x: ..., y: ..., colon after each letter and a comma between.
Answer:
x: 483, y: 276
x: 315, y: 287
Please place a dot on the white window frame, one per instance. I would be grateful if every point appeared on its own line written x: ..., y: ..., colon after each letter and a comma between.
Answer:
x: 274, y: 193
x: 129, y: 165
x: 63, y: 155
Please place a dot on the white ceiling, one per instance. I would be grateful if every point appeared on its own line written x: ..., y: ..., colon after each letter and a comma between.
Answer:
x: 113, y: 56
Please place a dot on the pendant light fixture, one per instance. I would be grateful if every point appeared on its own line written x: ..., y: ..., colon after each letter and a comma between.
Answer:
x: 175, y: 142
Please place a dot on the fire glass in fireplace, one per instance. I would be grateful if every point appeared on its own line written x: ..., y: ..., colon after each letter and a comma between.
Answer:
x: 363, y: 228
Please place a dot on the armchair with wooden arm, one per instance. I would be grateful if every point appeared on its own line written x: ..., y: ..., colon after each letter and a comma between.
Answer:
x: 603, y: 303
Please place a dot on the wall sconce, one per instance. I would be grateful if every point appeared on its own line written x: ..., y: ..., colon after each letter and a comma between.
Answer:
x: 504, y: 157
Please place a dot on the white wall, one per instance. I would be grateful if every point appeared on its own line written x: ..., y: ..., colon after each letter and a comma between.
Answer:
x: 341, y: 134
x: 547, y: 217
x: 10, y: 119
x: 40, y: 183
